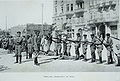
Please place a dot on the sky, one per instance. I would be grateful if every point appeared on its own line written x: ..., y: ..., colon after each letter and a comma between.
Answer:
x: 19, y: 12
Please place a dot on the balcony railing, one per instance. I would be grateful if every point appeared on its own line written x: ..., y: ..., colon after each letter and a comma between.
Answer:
x: 79, y: 10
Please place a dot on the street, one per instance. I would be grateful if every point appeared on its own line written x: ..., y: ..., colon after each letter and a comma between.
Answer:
x: 52, y: 64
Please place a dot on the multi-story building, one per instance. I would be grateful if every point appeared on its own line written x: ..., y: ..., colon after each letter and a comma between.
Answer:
x: 87, y: 16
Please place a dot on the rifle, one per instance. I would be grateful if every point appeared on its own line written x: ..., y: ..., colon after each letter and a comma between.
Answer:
x: 115, y: 38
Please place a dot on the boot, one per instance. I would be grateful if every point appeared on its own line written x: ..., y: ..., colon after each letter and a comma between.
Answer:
x: 111, y: 58
x: 108, y: 60
x: 20, y: 59
x: 16, y: 59
x: 118, y: 61
x: 100, y: 59
x: 35, y: 61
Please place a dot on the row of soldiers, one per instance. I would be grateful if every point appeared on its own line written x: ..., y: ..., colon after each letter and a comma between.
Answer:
x: 96, y: 44
x: 35, y: 43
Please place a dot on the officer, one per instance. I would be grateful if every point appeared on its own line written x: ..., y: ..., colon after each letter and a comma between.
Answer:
x: 30, y: 46
x: 99, y: 42
x: 77, y: 46
x: 109, y: 46
x: 18, y: 43
x: 93, y: 48
x: 84, y: 46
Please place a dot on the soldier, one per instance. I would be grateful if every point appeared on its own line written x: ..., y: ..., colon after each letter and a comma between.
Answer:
x: 49, y: 41
x: 84, y: 46
x: 118, y: 54
x: 30, y: 46
x: 43, y: 42
x: 59, y: 46
x: 10, y: 44
x: 35, y: 49
x: 68, y: 48
x: 64, y: 45
x: 24, y: 46
x: 109, y: 45
x: 77, y: 46
x: 18, y: 43
x: 38, y: 41
x: 93, y: 48
x: 99, y: 42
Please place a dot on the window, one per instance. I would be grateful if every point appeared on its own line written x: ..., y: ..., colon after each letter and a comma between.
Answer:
x: 62, y: 8
x: 56, y: 2
x: 67, y: 7
x: 71, y: 7
x: 56, y: 9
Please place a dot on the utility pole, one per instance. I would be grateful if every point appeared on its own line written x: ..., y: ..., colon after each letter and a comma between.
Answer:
x: 42, y: 19
x: 6, y: 23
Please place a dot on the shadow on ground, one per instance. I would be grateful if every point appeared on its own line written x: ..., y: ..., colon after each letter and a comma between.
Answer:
x: 3, y: 68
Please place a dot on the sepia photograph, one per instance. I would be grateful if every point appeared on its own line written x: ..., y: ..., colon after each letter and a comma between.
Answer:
x: 59, y: 36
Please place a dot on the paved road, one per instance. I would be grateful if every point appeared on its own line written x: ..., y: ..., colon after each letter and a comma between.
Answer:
x: 47, y: 64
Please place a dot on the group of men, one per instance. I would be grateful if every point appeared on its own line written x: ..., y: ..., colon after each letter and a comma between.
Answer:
x: 34, y: 43
x: 96, y: 44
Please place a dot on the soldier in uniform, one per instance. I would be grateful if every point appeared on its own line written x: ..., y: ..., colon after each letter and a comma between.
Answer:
x: 30, y: 46
x: 99, y: 42
x: 24, y: 46
x: 93, y: 48
x: 109, y: 46
x: 35, y: 49
x: 77, y: 46
x: 18, y: 43
x: 84, y: 46
x: 64, y: 46
x: 59, y: 46
x: 49, y: 41
x: 118, y: 54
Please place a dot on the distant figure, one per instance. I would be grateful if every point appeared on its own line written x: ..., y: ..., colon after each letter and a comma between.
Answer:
x: 18, y: 44
x: 49, y: 41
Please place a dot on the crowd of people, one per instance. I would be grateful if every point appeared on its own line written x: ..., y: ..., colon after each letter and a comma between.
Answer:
x: 34, y: 43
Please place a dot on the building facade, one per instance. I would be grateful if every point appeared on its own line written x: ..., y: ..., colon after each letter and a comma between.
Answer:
x: 87, y: 16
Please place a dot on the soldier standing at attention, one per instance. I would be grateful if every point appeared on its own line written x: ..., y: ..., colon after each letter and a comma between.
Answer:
x: 84, y: 46
x: 99, y: 42
x: 93, y: 48
x: 18, y: 43
x: 30, y: 46
x: 109, y: 46
x: 77, y: 46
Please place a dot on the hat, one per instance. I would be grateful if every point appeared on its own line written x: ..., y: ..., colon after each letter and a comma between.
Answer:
x: 84, y: 35
x: 92, y: 34
x: 78, y: 34
x: 18, y: 32
x: 108, y: 34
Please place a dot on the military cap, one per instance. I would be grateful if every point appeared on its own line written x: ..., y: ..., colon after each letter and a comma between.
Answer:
x: 108, y: 34
x: 78, y: 34
x: 84, y: 35
x: 92, y: 35
x: 18, y: 32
